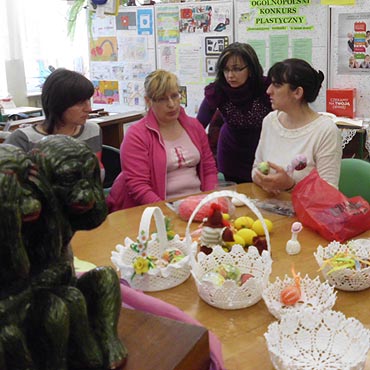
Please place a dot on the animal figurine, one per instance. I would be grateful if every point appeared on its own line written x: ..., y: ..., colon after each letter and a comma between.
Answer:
x: 48, y: 317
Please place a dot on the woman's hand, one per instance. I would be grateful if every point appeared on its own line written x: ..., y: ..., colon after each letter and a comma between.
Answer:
x: 274, y: 182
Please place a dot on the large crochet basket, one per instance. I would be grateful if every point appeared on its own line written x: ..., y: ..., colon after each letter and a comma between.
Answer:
x: 158, y: 278
x: 312, y: 339
x: 230, y: 295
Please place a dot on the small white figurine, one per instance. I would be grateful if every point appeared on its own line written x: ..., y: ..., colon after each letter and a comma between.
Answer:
x: 293, y: 246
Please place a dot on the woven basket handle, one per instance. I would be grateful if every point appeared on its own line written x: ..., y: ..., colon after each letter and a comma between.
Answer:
x: 232, y: 194
x: 146, y: 218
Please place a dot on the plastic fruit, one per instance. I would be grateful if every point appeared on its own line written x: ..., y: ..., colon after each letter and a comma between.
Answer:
x: 226, y: 216
x: 243, y: 221
x: 264, y: 167
x: 237, y: 240
x: 258, y: 228
x: 245, y: 277
x: 247, y: 235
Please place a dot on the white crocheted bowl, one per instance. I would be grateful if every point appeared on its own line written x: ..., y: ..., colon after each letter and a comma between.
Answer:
x: 346, y: 279
x: 230, y: 295
x: 158, y: 278
x: 314, y: 293
x: 311, y: 339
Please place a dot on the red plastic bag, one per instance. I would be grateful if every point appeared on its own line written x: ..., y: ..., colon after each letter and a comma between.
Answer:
x: 325, y: 209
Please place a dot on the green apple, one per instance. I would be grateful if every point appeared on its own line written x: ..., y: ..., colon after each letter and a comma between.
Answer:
x: 264, y: 167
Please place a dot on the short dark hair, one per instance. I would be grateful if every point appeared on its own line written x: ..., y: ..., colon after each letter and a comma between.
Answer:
x: 63, y: 89
x: 250, y: 58
x: 298, y: 73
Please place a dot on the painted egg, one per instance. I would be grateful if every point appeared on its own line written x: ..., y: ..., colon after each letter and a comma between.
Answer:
x: 290, y: 295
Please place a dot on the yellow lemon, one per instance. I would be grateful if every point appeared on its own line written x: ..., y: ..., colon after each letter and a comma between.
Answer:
x: 250, y: 221
x: 226, y: 216
x: 247, y: 235
x: 243, y: 221
x: 237, y: 240
x: 257, y: 226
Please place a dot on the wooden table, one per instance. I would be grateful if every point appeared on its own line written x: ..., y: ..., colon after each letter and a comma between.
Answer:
x: 112, y: 126
x: 30, y: 111
x: 240, y: 331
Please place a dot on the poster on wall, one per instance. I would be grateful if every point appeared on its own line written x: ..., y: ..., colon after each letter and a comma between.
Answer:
x: 349, y: 50
x: 190, y: 37
x: 122, y: 54
x: 354, y: 43
x: 294, y: 29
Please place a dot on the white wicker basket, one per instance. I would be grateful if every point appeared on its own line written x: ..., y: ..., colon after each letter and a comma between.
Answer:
x: 159, y: 278
x: 230, y: 295
x: 346, y: 279
x: 314, y: 293
x: 310, y: 339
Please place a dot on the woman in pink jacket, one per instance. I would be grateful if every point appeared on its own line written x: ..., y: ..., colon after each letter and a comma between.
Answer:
x: 164, y: 155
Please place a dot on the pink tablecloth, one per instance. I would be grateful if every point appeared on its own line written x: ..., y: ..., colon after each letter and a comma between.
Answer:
x: 138, y: 300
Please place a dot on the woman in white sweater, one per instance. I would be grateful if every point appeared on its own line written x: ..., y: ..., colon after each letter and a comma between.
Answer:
x: 294, y: 131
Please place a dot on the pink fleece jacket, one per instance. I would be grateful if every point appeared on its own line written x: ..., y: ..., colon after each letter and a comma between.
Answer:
x: 144, y: 171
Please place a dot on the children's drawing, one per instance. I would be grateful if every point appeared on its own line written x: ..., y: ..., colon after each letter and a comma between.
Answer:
x: 215, y: 45
x: 211, y: 66
x: 168, y: 25
x: 103, y: 49
x: 106, y: 92
x: 126, y: 21
x: 133, y: 94
x: 100, y: 71
x: 196, y: 18
x: 133, y: 48
x: 145, y: 21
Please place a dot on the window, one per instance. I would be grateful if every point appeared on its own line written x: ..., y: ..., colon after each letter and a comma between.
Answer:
x: 38, y: 30
x: 4, y: 48
x: 45, y: 44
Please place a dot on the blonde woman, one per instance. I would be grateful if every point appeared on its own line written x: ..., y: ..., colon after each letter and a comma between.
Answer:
x: 164, y: 155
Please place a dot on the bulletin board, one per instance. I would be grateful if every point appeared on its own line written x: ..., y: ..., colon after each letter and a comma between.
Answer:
x: 350, y: 43
x: 295, y: 29
x: 122, y: 54
x: 189, y: 39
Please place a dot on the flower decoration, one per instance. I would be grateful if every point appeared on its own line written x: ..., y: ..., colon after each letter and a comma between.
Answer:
x: 141, y: 244
x: 142, y: 265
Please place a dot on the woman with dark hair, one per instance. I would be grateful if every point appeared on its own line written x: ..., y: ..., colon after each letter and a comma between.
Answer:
x: 66, y: 104
x: 294, y: 130
x: 239, y: 93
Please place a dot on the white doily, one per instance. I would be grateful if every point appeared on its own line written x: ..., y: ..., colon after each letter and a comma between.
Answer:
x: 230, y: 295
x: 313, y: 294
x: 314, y: 340
x: 347, y: 135
x: 158, y: 278
x: 346, y: 279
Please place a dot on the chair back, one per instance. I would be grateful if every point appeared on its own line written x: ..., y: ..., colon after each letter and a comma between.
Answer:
x: 112, y: 164
x: 355, y: 178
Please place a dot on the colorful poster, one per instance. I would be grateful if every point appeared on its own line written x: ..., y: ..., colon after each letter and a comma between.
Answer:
x: 145, y: 21
x: 168, y: 25
x: 354, y: 43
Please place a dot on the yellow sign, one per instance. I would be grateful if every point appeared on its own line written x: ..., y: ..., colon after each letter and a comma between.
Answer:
x: 338, y: 2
